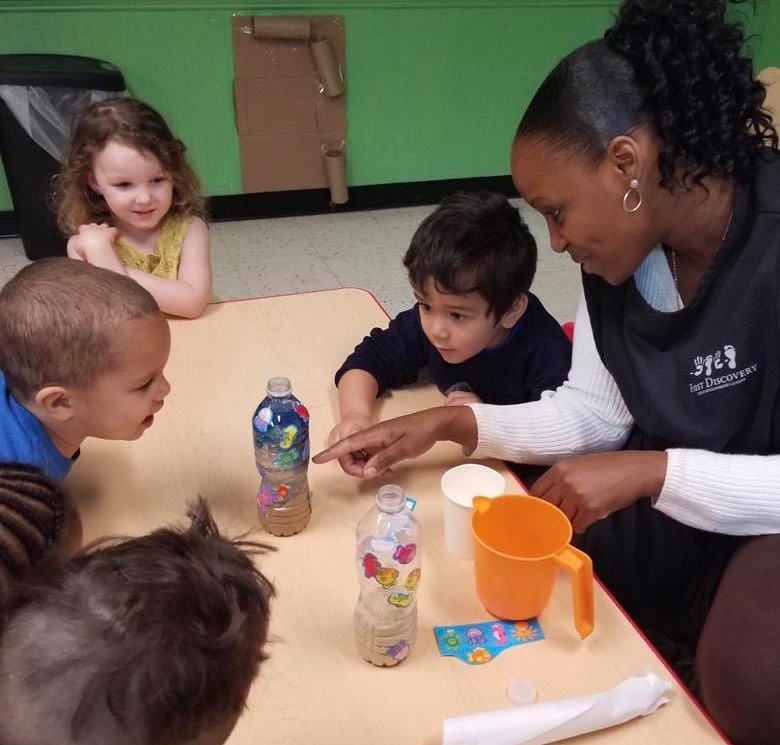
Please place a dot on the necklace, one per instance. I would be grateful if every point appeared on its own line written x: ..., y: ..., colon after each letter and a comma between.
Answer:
x: 674, y: 260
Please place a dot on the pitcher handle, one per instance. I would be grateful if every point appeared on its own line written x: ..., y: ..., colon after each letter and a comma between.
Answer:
x: 580, y: 569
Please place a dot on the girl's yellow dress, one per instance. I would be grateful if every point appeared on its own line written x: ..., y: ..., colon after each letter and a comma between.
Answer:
x: 164, y: 260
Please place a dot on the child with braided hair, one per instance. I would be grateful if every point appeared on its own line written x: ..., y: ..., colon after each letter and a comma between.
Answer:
x: 36, y: 518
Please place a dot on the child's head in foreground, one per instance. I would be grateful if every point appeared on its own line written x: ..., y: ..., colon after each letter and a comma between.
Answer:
x: 471, y: 263
x: 153, y: 640
x: 83, y: 349
x: 115, y: 136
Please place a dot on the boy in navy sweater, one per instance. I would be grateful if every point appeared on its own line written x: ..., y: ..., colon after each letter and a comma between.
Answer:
x: 482, y: 335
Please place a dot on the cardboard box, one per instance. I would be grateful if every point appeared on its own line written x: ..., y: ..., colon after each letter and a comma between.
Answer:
x: 283, y: 118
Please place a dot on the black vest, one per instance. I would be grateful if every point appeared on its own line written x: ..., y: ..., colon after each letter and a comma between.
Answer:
x: 707, y: 376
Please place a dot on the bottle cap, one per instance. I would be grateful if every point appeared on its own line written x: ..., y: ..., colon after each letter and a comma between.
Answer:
x: 521, y: 692
x: 279, y: 387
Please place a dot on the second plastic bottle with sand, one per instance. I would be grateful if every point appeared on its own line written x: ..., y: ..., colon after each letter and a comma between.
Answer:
x: 388, y: 559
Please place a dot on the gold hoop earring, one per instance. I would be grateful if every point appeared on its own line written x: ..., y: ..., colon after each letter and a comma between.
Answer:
x: 633, y: 187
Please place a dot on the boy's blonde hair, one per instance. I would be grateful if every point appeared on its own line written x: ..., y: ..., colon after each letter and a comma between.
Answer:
x: 130, y: 122
x: 58, y: 317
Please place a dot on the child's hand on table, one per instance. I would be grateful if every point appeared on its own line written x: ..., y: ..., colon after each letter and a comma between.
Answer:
x: 348, y: 426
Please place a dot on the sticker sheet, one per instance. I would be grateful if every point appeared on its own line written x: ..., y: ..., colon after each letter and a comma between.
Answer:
x: 478, y: 643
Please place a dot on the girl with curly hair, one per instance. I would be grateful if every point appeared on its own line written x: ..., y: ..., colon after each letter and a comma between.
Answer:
x: 657, y: 170
x: 130, y: 201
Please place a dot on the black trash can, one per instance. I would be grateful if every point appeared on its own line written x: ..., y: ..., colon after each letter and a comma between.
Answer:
x: 39, y: 96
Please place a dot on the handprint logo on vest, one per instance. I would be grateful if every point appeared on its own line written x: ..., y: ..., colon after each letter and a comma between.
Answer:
x: 715, y: 371
x: 718, y: 360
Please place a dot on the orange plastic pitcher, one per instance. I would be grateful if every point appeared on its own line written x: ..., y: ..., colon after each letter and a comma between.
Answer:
x: 520, y: 542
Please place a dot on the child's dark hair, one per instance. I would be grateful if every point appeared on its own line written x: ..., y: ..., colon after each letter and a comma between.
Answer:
x: 676, y: 65
x: 152, y: 640
x: 32, y: 510
x: 58, y: 319
x: 130, y: 122
x: 474, y: 242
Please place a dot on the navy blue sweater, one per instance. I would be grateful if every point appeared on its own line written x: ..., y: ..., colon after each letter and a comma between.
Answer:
x: 534, y: 357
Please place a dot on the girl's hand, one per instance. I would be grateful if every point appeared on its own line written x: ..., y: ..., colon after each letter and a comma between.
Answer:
x: 374, y: 450
x: 590, y: 487
x: 94, y: 243
x: 75, y: 251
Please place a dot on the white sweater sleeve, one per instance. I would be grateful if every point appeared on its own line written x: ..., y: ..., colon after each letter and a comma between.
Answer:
x: 586, y: 414
x: 721, y: 493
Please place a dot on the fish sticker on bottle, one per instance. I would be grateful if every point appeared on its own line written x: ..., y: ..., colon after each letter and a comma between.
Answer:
x: 385, y: 576
x: 286, y: 458
x: 401, y: 599
x: 263, y: 419
x: 399, y: 651
x: 405, y: 554
x: 412, y: 579
x: 268, y: 495
x: 371, y: 564
x: 288, y: 435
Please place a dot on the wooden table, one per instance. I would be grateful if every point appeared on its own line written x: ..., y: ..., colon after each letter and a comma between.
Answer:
x: 315, y: 689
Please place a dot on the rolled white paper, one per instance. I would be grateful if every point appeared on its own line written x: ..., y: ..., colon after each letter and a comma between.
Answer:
x: 551, y: 721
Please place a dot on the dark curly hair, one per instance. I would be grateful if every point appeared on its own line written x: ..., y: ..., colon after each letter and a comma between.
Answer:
x: 474, y: 242
x: 130, y: 122
x: 677, y: 65
x: 151, y: 640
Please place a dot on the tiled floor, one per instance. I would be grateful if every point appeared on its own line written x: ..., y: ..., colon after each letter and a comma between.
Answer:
x: 352, y: 249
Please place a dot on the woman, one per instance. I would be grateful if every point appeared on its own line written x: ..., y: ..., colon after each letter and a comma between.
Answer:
x: 656, y: 169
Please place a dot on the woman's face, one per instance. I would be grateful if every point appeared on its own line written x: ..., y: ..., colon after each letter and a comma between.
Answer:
x: 582, y: 204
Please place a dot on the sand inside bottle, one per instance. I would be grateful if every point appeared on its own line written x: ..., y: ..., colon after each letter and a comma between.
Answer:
x: 386, y: 641
x: 287, y: 518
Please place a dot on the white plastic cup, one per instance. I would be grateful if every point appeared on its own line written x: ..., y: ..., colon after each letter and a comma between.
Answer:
x: 459, y: 486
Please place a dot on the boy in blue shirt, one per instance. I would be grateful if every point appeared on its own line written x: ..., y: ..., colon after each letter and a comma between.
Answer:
x: 82, y: 352
x: 482, y: 335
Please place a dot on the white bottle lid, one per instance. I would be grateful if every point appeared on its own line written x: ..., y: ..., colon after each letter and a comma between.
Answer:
x: 521, y: 692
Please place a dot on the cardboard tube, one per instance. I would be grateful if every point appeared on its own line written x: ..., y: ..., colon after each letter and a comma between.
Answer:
x: 327, y: 67
x: 336, y: 174
x: 271, y: 27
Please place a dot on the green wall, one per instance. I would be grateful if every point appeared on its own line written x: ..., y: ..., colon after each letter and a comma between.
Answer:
x: 768, y: 45
x: 435, y: 87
